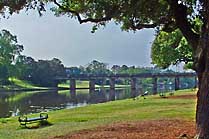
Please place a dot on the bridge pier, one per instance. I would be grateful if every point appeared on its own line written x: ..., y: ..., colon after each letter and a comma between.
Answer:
x: 112, y: 95
x: 72, y: 84
x: 92, y: 84
x: 140, y: 86
x: 154, y: 88
x: 92, y: 96
x: 73, y: 96
x: 177, y: 83
x: 112, y: 83
x: 102, y: 83
x: 133, y: 83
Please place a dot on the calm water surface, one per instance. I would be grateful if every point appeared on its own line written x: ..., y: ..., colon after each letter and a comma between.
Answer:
x: 17, y: 103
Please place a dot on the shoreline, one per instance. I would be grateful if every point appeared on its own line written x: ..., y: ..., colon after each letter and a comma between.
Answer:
x: 32, y: 89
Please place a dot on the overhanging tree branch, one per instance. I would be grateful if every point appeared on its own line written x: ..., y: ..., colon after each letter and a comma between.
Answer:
x: 108, y: 17
x: 141, y: 26
x: 94, y: 20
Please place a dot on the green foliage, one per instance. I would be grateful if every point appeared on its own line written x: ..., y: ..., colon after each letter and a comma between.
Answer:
x: 8, y: 7
x: 121, y: 11
x: 9, y: 47
x: 96, y: 67
x: 3, y: 74
x: 44, y: 72
x: 124, y: 69
x: 9, y: 51
x: 170, y: 49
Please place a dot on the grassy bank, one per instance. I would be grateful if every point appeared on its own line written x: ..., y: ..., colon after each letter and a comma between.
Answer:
x: 66, y: 121
x: 16, y: 84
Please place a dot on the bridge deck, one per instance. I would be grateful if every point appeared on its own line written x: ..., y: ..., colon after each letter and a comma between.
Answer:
x: 141, y: 75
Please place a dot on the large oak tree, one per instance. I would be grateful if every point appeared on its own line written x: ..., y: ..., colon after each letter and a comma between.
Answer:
x: 169, y: 16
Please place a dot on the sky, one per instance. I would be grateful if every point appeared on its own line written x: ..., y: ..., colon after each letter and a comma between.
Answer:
x: 64, y: 38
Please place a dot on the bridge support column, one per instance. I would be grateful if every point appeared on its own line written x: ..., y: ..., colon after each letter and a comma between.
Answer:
x: 112, y: 83
x: 73, y: 96
x: 92, y: 84
x: 154, y: 88
x: 72, y: 84
x: 140, y: 87
x: 112, y: 95
x: 92, y: 96
x: 133, y: 83
x: 103, y: 82
x: 177, y: 83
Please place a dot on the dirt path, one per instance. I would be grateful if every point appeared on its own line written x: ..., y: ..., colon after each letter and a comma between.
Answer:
x: 192, y: 96
x: 156, y: 129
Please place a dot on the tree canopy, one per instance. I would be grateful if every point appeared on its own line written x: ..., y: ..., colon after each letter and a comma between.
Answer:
x: 9, y: 52
x: 96, y: 67
x: 171, y: 49
x: 132, y: 14
x: 9, y: 47
x: 8, y: 7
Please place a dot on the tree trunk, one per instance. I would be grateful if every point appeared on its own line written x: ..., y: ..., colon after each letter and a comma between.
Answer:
x: 202, y: 70
x: 202, y: 111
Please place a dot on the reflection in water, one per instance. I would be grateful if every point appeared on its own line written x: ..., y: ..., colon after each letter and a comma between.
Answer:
x: 13, y: 104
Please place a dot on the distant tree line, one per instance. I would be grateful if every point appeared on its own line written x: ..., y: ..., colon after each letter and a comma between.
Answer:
x: 95, y: 67
x: 41, y: 72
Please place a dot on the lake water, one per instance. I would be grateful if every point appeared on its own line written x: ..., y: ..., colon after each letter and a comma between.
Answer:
x: 18, y: 103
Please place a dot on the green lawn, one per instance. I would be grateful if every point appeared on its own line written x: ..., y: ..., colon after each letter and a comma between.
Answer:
x: 66, y: 121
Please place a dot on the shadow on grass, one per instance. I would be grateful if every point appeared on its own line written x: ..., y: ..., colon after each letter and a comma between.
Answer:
x: 39, y: 124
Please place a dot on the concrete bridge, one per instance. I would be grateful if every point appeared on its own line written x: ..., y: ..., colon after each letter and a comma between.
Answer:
x: 132, y: 77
